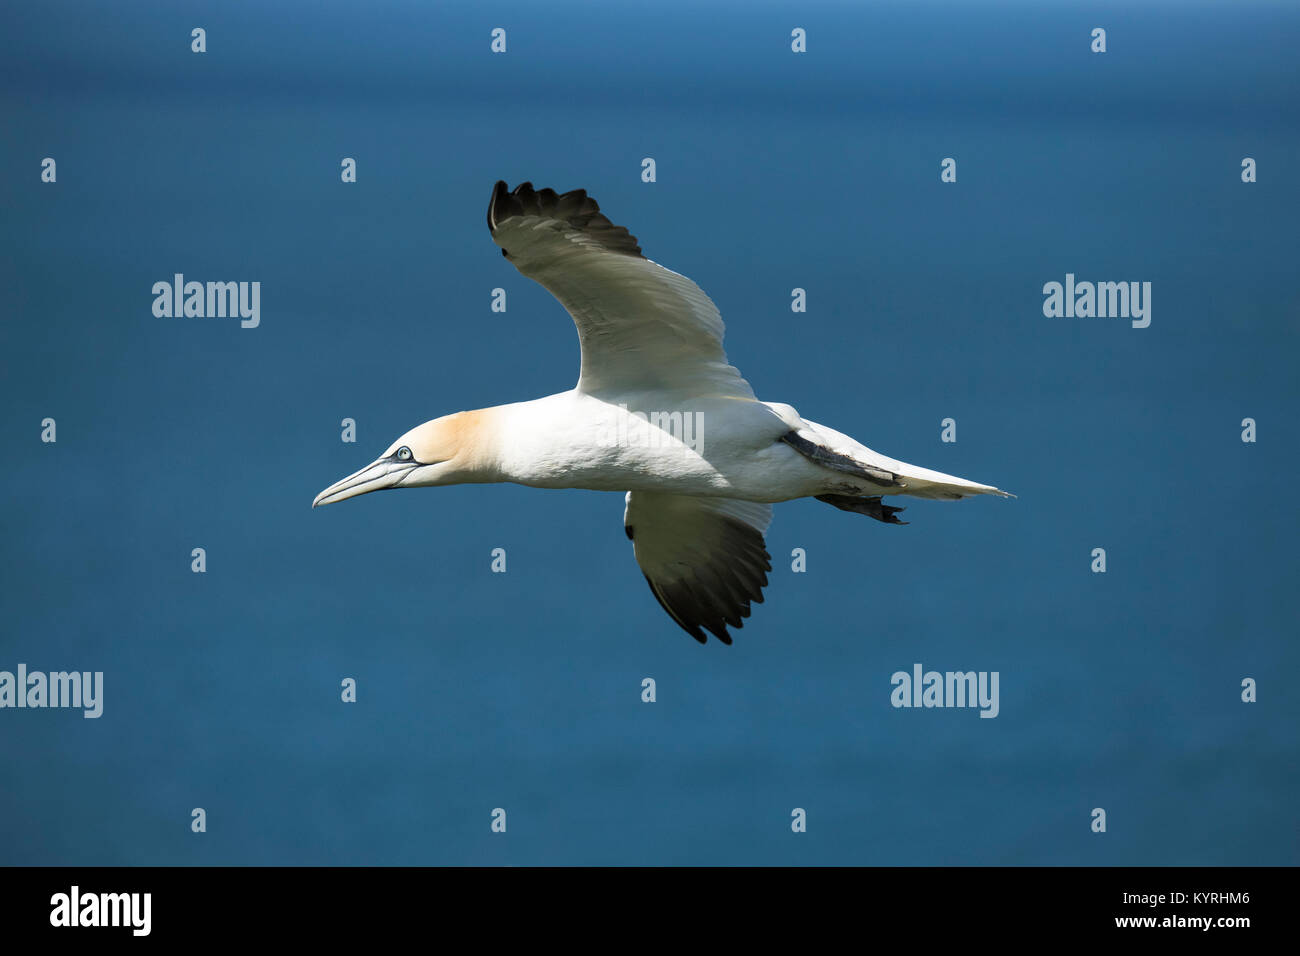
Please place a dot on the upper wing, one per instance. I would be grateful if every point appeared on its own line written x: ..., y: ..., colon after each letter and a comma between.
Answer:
x: 641, y: 326
x: 704, y: 558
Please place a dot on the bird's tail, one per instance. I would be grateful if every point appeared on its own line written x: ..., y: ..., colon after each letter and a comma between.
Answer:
x: 839, y: 452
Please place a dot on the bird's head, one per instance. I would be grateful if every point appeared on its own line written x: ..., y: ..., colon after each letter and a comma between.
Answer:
x: 445, y: 451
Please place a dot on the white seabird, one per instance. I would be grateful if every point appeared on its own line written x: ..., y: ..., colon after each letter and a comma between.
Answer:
x: 657, y: 412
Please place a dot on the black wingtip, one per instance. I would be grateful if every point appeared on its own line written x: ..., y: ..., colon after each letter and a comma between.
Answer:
x: 575, y: 208
x: 499, y: 190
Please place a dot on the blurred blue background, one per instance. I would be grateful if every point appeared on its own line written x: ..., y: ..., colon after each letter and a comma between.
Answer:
x: 522, y: 690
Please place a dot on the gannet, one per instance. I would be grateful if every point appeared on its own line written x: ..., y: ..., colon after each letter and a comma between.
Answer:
x: 658, y: 413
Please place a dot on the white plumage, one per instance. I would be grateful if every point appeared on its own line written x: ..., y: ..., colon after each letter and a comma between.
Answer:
x: 657, y: 412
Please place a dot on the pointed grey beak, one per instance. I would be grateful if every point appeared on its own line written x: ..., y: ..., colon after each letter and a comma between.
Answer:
x: 384, y: 473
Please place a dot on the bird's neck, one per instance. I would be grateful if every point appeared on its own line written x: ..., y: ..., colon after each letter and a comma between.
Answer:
x: 478, y: 440
x: 525, y: 442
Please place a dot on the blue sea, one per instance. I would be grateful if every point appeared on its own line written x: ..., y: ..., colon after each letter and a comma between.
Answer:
x: 521, y: 691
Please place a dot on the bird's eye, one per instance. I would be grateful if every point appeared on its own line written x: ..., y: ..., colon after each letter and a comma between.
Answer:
x: 403, y: 454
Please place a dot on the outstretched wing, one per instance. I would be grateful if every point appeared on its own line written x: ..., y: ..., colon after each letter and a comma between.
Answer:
x: 704, y: 558
x: 641, y: 327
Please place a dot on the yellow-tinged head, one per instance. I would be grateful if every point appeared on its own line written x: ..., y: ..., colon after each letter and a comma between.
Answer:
x: 446, y: 451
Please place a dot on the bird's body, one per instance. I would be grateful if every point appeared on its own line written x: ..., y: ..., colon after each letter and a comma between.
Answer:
x: 657, y: 413
x: 730, y: 449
